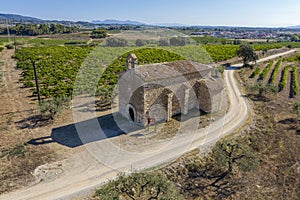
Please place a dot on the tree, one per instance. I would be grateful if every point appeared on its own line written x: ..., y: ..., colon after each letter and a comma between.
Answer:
x: 163, y: 42
x: 138, y: 186
x: 230, y: 153
x: 116, y: 42
x: 247, y: 53
x: 237, y: 42
x: 295, y: 38
x: 179, y: 41
x: 140, y: 42
x: 44, y: 29
x: 99, y: 33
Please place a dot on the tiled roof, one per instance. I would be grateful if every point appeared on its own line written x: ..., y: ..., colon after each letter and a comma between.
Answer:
x: 160, y: 71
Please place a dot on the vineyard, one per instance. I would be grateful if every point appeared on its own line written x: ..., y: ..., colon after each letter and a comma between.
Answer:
x: 283, y: 75
x: 58, y: 66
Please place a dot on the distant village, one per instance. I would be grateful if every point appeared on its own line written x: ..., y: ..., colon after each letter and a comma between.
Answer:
x: 252, y: 33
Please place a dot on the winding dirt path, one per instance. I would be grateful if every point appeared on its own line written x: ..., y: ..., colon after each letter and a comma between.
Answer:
x: 86, y: 171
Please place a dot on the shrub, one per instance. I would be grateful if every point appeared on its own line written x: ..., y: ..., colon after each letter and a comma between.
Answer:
x: 51, y: 107
x: 296, y: 108
x: 76, y: 43
x: 17, y: 151
x: 9, y: 46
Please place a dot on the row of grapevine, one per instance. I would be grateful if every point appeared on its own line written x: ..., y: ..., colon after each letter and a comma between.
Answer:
x: 275, y: 72
x: 263, y: 75
x: 255, y: 72
x: 282, y: 83
x: 295, y: 83
x: 295, y: 58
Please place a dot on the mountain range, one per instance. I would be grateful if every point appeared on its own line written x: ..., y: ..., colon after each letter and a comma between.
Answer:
x: 18, y: 18
x: 14, y: 18
x: 118, y: 22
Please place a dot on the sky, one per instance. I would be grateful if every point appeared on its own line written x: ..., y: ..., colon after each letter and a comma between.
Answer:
x: 254, y: 13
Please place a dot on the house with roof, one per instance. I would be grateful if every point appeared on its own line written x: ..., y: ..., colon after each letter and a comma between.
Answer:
x: 156, y: 92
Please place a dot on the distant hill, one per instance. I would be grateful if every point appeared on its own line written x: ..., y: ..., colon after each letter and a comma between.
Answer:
x: 14, y: 18
x: 118, y: 22
x: 171, y: 25
x: 294, y: 27
x: 18, y: 18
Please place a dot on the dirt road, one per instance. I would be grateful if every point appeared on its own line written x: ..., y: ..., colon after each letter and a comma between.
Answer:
x: 86, y: 171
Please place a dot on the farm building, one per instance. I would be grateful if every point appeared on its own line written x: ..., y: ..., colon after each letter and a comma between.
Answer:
x: 157, y: 92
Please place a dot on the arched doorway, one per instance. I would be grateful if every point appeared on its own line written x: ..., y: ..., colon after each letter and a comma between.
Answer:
x: 131, y: 114
x: 203, y: 97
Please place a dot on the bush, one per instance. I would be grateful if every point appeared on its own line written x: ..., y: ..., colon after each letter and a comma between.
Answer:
x: 51, y: 107
x: 76, y: 43
x: 9, y: 46
x: 17, y: 151
x: 138, y: 186
x: 296, y: 108
x: 1, y: 48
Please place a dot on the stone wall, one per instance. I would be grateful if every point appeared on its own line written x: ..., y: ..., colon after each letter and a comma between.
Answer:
x: 163, y: 99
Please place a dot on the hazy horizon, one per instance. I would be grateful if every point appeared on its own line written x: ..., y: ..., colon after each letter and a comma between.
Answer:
x: 200, y: 13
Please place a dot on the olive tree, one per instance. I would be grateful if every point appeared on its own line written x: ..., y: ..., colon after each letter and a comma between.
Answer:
x: 247, y: 53
x: 263, y: 90
x: 138, y: 186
